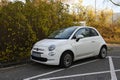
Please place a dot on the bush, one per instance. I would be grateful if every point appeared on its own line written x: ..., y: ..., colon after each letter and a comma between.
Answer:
x: 22, y: 24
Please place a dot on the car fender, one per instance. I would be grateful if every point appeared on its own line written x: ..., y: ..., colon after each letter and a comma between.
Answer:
x: 66, y: 47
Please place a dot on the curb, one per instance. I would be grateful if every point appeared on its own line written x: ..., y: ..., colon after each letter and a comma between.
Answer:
x: 113, y: 45
x: 13, y: 64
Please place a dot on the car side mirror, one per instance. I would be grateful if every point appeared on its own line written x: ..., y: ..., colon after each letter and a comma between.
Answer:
x: 78, y: 37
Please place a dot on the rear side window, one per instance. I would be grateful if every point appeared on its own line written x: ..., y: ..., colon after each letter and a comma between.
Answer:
x: 93, y: 32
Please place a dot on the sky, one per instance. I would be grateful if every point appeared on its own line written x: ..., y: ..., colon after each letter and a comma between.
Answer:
x: 100, y: 4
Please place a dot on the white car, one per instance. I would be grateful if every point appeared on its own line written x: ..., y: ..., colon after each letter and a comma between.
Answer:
x: 67, y: 45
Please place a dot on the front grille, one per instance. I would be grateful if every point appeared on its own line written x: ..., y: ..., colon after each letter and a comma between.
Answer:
x: 38, y: 49
x: 39, y: 58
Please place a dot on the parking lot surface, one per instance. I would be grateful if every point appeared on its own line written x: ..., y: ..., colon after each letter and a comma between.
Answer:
x: 85, y: 69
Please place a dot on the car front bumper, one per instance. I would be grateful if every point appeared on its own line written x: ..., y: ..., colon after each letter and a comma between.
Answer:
x: 46, y: 59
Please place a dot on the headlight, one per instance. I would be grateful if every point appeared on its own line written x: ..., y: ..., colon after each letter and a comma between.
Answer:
x: 51, y: 48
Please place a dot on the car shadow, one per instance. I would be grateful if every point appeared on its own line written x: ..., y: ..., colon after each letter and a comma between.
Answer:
x: 85, y: 60
x: 39, y: 65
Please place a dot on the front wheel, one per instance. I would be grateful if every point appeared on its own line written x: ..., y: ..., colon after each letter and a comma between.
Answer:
x: 66, y: 60
x: 103, y: 53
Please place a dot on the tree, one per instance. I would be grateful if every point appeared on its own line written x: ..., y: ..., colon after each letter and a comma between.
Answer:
x: 23, y: 24
x: 4, y: 2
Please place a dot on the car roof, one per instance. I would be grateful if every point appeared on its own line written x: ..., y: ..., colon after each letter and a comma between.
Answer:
x: 83, y: 27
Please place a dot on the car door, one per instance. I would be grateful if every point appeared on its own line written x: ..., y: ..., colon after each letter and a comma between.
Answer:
x: 94, y: 36
x: 83, y: 46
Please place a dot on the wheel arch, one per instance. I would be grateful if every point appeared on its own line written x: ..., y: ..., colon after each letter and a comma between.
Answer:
x: 68, y: 51
x: 100, y: 55
x: 104, y: 45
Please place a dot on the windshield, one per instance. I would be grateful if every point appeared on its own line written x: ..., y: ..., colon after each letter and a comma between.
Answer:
x: 62, y: 33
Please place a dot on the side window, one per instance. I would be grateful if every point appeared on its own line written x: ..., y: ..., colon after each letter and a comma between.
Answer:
x: 93, y: 32
x: 80, y: 32
x: 87, y: 32
x: 83, y: 31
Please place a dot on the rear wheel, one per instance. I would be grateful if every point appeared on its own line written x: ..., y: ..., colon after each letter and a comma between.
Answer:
x: 103, y: 53
x: 66, y: 60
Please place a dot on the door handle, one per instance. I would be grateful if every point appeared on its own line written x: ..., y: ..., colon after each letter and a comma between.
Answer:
x: 93, y: 41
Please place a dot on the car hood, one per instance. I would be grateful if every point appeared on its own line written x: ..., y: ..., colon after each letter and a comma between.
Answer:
x: 48, y: 42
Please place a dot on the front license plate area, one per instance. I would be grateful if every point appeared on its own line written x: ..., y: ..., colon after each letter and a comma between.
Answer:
x: 36, y: 54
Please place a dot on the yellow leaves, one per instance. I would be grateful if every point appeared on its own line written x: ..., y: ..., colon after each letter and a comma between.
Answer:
x: 13, y: 33
x: 9, y: 29
x: 118, y: 30
x: 8, y: 35
x: 8, y: 51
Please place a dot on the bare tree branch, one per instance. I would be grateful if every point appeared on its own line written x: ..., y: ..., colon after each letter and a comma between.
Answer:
x: 114, y: 3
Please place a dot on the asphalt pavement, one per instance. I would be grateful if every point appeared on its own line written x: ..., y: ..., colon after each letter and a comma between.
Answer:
x: 85, y: 69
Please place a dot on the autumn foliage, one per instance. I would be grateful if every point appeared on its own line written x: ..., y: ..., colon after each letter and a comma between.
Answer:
x: 22, y: 24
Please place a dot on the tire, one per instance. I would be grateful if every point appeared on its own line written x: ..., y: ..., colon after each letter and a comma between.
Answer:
x: 66, y: 60
x: 103, y: 53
